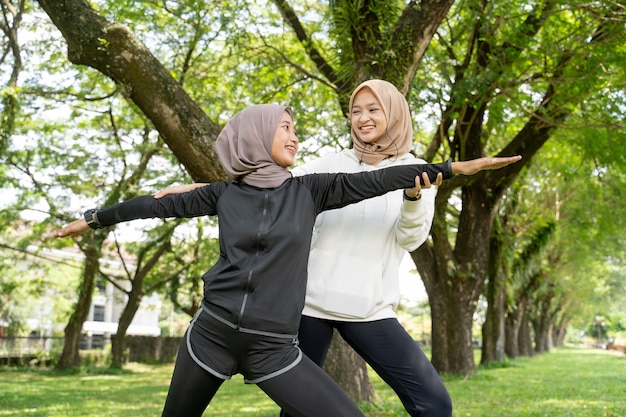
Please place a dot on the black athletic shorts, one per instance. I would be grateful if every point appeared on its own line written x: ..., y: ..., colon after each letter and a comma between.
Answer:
x: 220, y: 348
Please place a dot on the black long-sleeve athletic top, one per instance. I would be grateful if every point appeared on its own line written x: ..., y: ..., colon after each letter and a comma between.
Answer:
x: 258, y: 284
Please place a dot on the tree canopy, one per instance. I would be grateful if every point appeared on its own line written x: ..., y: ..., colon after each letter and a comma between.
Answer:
x: 543, y: 79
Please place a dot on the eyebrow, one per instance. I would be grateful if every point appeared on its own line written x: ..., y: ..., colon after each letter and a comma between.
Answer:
x: 372, y: 103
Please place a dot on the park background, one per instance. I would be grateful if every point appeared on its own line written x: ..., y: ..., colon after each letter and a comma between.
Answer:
x: 102, y: 101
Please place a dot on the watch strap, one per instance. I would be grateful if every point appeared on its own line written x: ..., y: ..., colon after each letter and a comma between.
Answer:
x: 90, y: 218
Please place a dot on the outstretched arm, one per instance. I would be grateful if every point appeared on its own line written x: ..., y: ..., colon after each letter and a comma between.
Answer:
x: 201, y: 202
x: 482, y: 164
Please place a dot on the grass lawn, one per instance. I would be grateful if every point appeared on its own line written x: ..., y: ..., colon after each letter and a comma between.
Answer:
x: 565, y: 382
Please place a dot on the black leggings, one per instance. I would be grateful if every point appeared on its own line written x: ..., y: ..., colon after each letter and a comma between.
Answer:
x: 304, y: 391
x: 391, y: 352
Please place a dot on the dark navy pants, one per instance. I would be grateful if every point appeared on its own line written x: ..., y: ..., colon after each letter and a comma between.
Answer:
x: 393, y: 355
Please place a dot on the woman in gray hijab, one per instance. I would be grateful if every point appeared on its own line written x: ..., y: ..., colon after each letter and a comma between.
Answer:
x: 254, y: 294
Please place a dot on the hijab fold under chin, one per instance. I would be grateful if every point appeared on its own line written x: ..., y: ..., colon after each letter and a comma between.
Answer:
x: 244, y: 146
x: 399, y: 137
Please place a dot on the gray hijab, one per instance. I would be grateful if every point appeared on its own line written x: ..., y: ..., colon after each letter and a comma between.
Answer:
x: 244, y: 146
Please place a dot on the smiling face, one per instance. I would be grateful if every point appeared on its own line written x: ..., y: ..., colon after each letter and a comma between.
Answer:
x: 367, y: 117
x: 285, y: 144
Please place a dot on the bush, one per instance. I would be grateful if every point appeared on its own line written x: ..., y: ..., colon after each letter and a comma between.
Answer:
x: 152, y: 350
x: 95, y: 358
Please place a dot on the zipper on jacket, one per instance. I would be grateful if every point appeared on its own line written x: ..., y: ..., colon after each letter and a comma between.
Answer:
x: 256, y: 257
x: 245, y: 300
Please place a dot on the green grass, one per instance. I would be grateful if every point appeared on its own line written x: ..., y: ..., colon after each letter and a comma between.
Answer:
x: 565, y: 382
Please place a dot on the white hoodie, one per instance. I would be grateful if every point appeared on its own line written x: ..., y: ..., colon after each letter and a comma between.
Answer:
x: 356, y: 251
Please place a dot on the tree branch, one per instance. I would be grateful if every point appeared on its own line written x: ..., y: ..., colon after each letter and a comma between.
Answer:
x: 411, y: 37
x: 290, y: 17
x: 113, y: 50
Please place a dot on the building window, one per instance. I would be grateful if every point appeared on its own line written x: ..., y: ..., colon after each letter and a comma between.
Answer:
x: 101, y: 285
x: 98, y: 313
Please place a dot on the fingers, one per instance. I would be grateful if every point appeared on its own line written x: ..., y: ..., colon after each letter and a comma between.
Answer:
x: 169, y: 190
x: 414, y: 192
x: 482, y: 164
x: 514, y: 159
x: 66, y: 231
x: 178, y: 189
x: 425, y: 179
x: 73, y: 229
x: 501, y: 162
x: 174, y: 189
x: 427, y: 183
x: 60, y: 233
x: 418, y: 186
x: 422, y: 182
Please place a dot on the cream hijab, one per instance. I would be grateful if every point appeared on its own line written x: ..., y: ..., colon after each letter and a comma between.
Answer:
x: 399, y: 137
x: 244, y: 146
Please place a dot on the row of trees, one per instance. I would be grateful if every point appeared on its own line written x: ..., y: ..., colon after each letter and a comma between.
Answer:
x: 116, y: 94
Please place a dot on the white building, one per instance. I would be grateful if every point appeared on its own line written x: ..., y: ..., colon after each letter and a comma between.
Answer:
x: 106, y: 308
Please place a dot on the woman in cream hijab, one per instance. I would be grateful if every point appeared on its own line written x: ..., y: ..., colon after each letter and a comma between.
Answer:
x: 356, y: 252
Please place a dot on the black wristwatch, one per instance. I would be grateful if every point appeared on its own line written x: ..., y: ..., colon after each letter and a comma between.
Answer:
x: 406, y: 197
x: 91, y: 221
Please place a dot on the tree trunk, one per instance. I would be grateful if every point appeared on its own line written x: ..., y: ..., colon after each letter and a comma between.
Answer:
x: 542, y: 334
x: 546, y: 309
x: 454, y: 278
x: 70, y: 356
x: 135, y: 295
x: 559, y: 333
x: 117, y: 346
x: 456, y: 273
x: 349, y: 370
x: 525, y: 344
x: 493, y: 328
x: 512, y: 326
x: 452, y: 350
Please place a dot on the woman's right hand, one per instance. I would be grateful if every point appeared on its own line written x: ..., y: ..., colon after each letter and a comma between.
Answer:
x: 74, y: 229
x: 473, y: 166
x: 178, y: 189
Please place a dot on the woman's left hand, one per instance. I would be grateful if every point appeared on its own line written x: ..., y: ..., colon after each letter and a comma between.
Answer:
x: 177, y: 189
x: 416, y: 192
